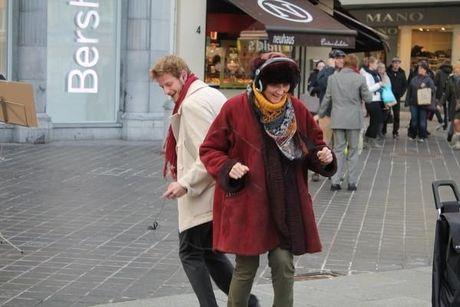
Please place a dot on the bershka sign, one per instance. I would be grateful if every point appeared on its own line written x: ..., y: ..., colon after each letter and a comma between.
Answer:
x: 285, y: 10
x: 84, y: 79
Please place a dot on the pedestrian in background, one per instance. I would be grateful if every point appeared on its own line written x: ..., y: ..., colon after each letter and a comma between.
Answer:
x: 398, y: 81
x: 374, y: 107
x: 418, y: 121
x: 335, y: 63
x: 452, y: 96
x: 345, y: 92
x: 195, y: 107
x: 259, y: 149
x: 312, y: 85
x: 440, y: 82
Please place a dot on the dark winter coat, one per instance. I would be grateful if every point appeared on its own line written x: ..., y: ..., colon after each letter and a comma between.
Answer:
x: 415, y: 84
x: 321, y: 81
x: 312, y: 85
x: 398, y: 82
x: 440, y: 79
x: 452, y: 96
x: 242, y: 222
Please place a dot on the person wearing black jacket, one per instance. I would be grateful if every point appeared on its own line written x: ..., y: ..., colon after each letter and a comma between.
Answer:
x: 336, y: 57
x: 398, y: 80
x: 440, y: 82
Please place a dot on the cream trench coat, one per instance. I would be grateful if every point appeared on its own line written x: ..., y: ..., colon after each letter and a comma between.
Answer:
x: 190, y: 125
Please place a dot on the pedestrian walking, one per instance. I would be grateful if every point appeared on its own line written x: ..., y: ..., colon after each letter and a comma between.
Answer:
x: 452, y: 96
x: 398, y: 81
x: 419, y: 103
x: 374, y: 107
x: 195, y: 107
x: 335, y: 63
x: 345, y: 92
x: 440, y: 82
x: 259, y: 149
x: 312, y: 85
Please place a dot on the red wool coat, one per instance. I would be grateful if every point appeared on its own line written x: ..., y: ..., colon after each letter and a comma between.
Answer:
x: 242, y: 222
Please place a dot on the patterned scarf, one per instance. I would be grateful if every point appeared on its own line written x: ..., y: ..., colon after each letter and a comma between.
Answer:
x: 279, y: 123
x: 170, y: 143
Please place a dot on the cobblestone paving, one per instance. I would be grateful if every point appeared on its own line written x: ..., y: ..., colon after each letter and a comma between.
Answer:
x: 80, y: 212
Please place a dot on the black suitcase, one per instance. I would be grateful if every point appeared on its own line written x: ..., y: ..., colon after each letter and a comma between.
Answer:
x: 446, y: 257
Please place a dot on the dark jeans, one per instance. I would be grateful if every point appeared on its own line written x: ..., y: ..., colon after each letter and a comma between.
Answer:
x: 418, y: 122
x: 396, y: 119
x: 200, y: 261
x: 374, y: 110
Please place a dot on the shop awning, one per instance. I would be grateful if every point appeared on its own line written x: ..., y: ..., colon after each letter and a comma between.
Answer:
x: 299, y: 23
x: 367, y: 39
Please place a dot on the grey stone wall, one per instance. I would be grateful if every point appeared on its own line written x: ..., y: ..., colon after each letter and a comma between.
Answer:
x: 147, y: 38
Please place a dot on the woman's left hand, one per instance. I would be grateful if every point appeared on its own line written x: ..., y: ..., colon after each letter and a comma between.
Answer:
x: 325, y: 155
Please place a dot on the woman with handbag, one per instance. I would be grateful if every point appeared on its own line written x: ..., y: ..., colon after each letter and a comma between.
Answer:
x: 388, y: 98
x: 420, y: 97
x: 374, y: 107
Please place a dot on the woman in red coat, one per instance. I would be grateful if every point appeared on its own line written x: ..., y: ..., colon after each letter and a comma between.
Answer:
x: 259, y: 149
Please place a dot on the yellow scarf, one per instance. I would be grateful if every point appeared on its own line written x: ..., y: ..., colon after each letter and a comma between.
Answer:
x: 269, y: 110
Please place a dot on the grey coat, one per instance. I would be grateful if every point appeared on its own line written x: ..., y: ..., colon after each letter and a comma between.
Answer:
x: 345, y: 92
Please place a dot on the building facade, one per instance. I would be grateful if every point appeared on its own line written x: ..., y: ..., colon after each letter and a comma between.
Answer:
x: 88, y: 62
x: 418, y: 30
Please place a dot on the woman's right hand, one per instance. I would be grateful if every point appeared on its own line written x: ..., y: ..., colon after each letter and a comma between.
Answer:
x: 238, y: 171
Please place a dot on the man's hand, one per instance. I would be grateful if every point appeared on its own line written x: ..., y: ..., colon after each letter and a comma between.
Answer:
x: 316, y: 118
x: 238, y: 170
x: 325, y: 156
x: 175, y: 190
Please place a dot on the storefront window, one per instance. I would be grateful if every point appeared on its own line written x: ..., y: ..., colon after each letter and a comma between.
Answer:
x: 3, y: 37
x: 82, y: 61
x: 228, y: 62
x: 433, y: 44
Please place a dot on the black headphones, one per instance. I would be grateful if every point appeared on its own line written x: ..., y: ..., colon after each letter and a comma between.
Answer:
x: 257, y: 73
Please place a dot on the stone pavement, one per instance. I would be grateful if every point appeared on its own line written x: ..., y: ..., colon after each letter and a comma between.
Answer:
x: 80, y: 212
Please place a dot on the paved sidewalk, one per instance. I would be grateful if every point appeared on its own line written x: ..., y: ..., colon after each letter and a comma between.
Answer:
x: 404, y: 288
x: 80, y: 212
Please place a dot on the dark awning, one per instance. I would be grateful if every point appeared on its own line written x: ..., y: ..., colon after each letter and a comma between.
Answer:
x: 298, y: 22
x: 368, y: 39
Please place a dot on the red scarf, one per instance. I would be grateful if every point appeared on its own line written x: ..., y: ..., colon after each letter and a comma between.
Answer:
x: 170, y: 143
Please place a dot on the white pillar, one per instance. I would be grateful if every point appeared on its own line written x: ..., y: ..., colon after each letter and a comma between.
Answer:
x: 191, y: 34
x: 405, y: 46
x: 456, y: 44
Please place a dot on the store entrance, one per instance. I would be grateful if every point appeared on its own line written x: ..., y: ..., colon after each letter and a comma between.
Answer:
x: 432, y: 44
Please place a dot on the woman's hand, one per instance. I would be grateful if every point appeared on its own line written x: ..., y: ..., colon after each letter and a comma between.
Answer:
x: 238, y: 171
x: 325, y: 156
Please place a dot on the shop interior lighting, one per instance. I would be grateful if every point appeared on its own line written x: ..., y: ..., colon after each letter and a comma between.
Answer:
x: 421, y: 29
x: 443, y: 29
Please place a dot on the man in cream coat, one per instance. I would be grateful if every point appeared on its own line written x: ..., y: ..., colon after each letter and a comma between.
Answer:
x: 196, y: 106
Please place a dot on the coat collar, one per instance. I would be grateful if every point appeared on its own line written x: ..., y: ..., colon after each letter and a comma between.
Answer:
x: 194, y: 87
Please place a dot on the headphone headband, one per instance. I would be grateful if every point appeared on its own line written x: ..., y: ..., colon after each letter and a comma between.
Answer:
x: 259, y: 70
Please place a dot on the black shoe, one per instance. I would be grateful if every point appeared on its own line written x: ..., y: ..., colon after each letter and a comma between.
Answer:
x: 352, y: 187
x: 335, y: 187
x: 315, y: 177
x: 253, y: 301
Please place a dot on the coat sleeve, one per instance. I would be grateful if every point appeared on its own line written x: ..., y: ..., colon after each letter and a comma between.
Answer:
x: 366, y: 95
x: 326, y: 105
x: 196, y: 117
x: 314, y: 140
x: 214, y: 152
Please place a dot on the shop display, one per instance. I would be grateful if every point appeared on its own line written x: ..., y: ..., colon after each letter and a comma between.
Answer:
x: 228, y: 64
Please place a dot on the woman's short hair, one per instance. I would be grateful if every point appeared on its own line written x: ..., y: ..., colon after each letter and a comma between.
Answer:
x: 169, y: 64
x: 351, y: 61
